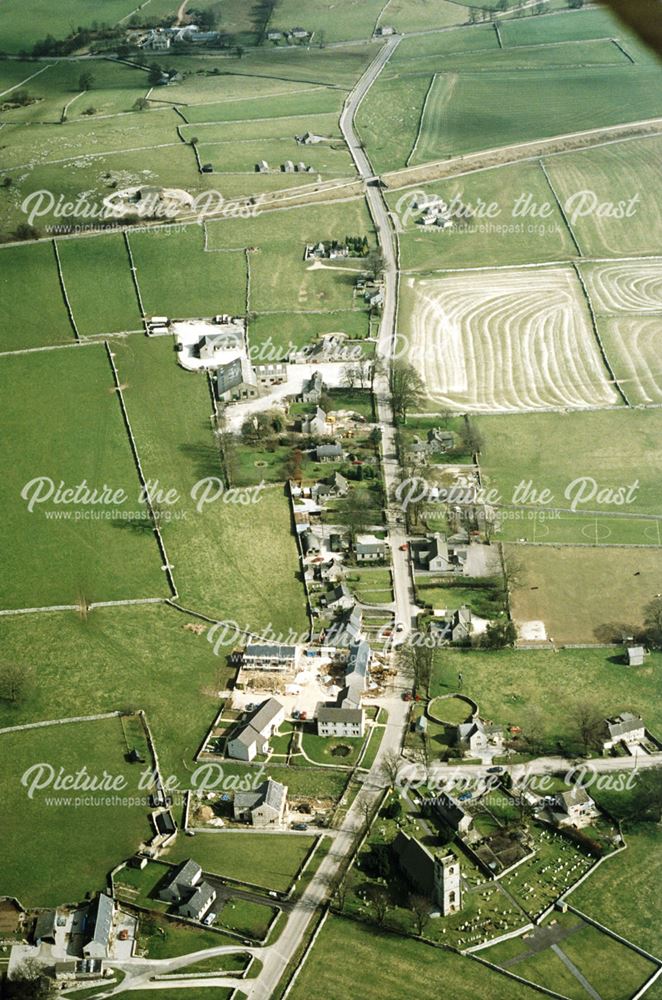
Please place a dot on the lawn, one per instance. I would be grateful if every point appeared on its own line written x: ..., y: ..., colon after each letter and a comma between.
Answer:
x: 99, y: 284
x: 280, y: 101
x: 392, y: 961
x: 615, y: 971
x: 621, y: 892
x: 265, y: 859
x: 324, y: 750
x: 557, y: 585
x: 24, y: 22
x: 41, y: 832
x: 420, y: 15
x: 539, y: 690
x: 31, y: 292
x: 553, y: 452
x: 162, y: 938
x: 273, y: 335
x: 208, y: 547
x: 61, y: 560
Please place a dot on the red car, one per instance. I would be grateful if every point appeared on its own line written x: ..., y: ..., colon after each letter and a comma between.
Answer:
x: 403, y: 548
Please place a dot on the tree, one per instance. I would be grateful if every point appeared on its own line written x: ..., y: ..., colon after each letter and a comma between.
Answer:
x: 86, y: 80
x: 16, y: 682
x: 420, y: 908
x: 140, y: 104
x: 393, y: 809
x: 28, y: 982
x: 499, y: 635
x: 155, y: 73
x: 390, y: 767
x: 24, y: 231
x: 379, y: 898
x: 471, y: 437
x: 375, y: 263
x: 588, y: 723
x: 240, y: 51
x: 653, y: 622
x: 406, y: 389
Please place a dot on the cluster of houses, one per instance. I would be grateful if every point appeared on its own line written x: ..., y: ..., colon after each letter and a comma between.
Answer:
x: 354, y: 246
x: 438, y: 441
x: 289, y: 35
x: 161, y: 39
x: 435, y: 213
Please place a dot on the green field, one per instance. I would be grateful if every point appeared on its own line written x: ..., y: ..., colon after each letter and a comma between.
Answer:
x: 55, y: 849
x: 63, y: 560
x: 615, y: 448
x: 343, y: 20
x: 393, y: 961
x: 527, y: 687
x: 23, y: 23
x: 143, y: 657
x: 635, y: 874
x: 99, y: 284
x: 268, y: 860
x: 31, y: 292
x: 421, y: 15
x: 616, y: 173
x: 506, y: 236
x: 208, y: 547
x: 293, y: 99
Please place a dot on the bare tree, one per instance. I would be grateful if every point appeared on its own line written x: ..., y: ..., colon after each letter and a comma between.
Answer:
x: 389, y: 768
x: 420, y: 908
x: 588, y: 722
x: 16, y: 681
x: 406, y: 389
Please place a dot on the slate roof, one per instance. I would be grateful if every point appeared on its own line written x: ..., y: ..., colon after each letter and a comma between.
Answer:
x: 270, y: 651
x: 271, y: 793
x: 623, y: 724
x: 103, y: 919
x: 353, y: 716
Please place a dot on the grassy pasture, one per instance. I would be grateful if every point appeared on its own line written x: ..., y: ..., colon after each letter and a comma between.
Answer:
x: 481, y: 37
x: 516, y: 687
x: 143, y: 657
x: 38, y: 836
x: 50, y: 561
x: 328, y: 159
x: 616, y: 173
x: 281, y: 127
x: 420, y: 15
x: 343, y: 20
x: 496, y: 109
x: 393, y: 961
x: 615, y: 447
x: 31, y: 292
x: 506, y: 239
x: 593, y: 52
x: 631, y: 343
x: 209, y: 283
x: 557, y: 586
x: 99, y: 284
x: 635, y: 874
x: 208, y: 548
x: 269, y: 860
x: 295, y: 100
x: 24, y: 23
x: 389, y: 117
x: 301, y: 328
x: 573, y: 26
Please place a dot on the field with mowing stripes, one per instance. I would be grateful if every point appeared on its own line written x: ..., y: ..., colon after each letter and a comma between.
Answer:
x: 505, y: 340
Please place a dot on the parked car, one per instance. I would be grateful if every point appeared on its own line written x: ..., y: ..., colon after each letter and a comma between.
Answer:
x: 299, y: 826
x: 403, y: 548
x: 497, y: 769
x: 209, y: 919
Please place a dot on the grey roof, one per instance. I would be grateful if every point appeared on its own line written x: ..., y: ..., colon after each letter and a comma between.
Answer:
x: 271, y: 793
x: 624, y: 723
x: 329, y: 450
x: 467, y: 729
x: 202, y: 898
x: 329, y: 713
x: 266, y: 714
x: 359, y: 658
x: 187, y: 873
x: 449, y: 809
x: 346, y: 630
x: 45, y: 925
x: 103, y: 919
x: 270, y: 651
x: 246, y: 736
x: 339, y: 593
x: 368, y: 547
x: 577, y: 796
x: 636, y: 655
x: 415, y: 860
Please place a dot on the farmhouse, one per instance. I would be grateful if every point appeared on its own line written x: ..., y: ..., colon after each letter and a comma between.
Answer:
x: 480, y: 737
x: 313, y: 388
x: 199, y: 903
x: 346, y: 630
x: 456, y: 626
x: 340, y: 597
x: 315, y: 424
x: 264, y: 807
x: 271, y: 374
x: 574, y: 808
x: 384, y: 30
x: 335, y: 486
x: 440, y: 556
x: 332, y: 720
x: 329, y: 452
x: 449, y: 810
x: 181, y: 882
x: 436, y: 876
x: 309, y: 139
x: 44, y: 929
x: 625, y: 728
x: 369, y: 548
x: 269, y: 656
x: 99, y: 926
x: 253, y: 737
x: 356, y: 674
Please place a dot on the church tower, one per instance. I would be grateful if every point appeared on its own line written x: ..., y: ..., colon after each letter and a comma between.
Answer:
x: 447, y: 885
